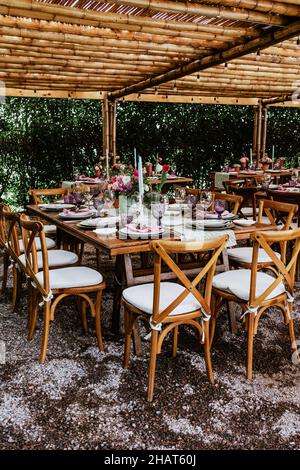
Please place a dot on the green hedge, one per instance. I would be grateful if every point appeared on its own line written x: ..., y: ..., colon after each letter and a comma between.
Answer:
x: 43, y: 141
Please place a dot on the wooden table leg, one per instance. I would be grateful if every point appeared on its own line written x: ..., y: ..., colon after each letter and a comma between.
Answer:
x: 118, y: 287
x: 231, y: 306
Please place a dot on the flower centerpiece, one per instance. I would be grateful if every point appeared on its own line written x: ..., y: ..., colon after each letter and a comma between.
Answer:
x: 123, y: 180
x: 265, y: 162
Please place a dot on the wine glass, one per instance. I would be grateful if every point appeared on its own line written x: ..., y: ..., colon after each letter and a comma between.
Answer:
x: 205, y: 199
x: 98, y: 203
x: 79, y: 198
x: 180, y: 195
x: 219, y: 207
x: 158, y: 211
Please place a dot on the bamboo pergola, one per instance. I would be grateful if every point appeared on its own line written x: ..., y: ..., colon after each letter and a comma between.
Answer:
x: 205, y: 51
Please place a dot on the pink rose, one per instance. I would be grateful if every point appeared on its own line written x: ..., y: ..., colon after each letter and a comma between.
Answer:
x: 136, y: 173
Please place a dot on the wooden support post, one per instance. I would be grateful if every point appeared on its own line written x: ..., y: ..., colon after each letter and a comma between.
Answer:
x: 112, y: 131
x: 254, y: 138
x: 264, y: 133
x: 258, y: 142
x: 105, y: 127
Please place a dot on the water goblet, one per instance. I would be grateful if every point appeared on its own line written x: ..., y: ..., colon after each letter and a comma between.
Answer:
x: 158, y: 211
x: 205, y: 199
x: 219, y: 207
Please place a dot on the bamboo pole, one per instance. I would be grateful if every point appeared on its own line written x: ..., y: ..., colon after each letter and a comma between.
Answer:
x: 123, y: 21
x: 203, y: 39
x: 258, y: 139
x: 188, y: 8
x: 254, y: 138
x: 159, y: 37
x: 265, y: 40
x: 264, y: 133
x: 105, y: 125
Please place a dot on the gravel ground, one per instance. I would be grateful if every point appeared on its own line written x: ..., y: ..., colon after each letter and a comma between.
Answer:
x: 83, y: 399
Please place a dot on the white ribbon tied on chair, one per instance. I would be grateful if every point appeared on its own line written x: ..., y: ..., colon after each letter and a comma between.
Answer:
x: 155, y: 326
x: 253, y: 310
x: 47, y: 298
x: 290, y: 299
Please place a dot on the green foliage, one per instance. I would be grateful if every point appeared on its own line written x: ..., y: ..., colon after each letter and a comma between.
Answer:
x: 44, y: 141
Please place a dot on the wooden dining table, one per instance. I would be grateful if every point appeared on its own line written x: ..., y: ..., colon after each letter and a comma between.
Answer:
x: 123, y: 251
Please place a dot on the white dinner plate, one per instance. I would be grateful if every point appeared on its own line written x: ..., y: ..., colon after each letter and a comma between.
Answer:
x: 125, y: 232
x: 105, y: 231
x: 99, y: 222
x: 57, y: 207
x: 210, y: 223
x: 75, y: 216
x: 244, y: 222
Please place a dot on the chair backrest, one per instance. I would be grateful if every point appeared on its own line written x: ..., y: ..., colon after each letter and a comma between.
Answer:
x: 280, y: 214
x: 38, y: 194
x: 11, y: 226
x: 233, y: 201
x: 31, y: 231
x: 286, y: 197
x: 286, y: 271
x: 3, y: 208
x: 277, y: 212
x: 163, y: 251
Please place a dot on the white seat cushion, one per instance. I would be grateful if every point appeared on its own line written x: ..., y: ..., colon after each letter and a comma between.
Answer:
x: 237, y: 282
x: 244, y: 255
x: 56, y: 258
x: 49, y: 243
x: 141, y: 297
x: 77, y: 276
x: 50, y: 229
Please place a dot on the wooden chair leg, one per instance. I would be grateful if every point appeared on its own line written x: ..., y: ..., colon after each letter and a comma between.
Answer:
x: 292, y: 331
x: 175, y: 341
x: 213, y: 319
x: 83, y: 316
x: 250, y: 346
x: 207, y: 352
x: 32, y: 314
x: 98, y: 320
x: 153, y: 354
x: 45, y: 332
x: 5, y: 270
x: 98, y: 259
x: 137, y: 340
x: 128, y: 326
x: 16, y: 287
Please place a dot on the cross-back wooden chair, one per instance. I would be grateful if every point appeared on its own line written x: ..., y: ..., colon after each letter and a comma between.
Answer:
x: 248, y: 208
x: 4, y: 208
x: 257, y: 291
x: 279, y: 214
x: 37, y: 195
x: 10, y: 229
x: 169, y: 304
x: 68, y: 242
x: 233, y: 201
x: 57, y: 284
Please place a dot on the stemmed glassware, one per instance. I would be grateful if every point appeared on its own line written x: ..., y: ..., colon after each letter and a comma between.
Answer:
x: 158, y: 211
x: 180, y: 195
x: 98, y: 203
x: 205, y: 199
x: 79, y: 198
x: 219, y: 207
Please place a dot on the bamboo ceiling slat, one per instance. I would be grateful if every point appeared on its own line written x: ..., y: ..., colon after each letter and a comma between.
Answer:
x: 157, y: 48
